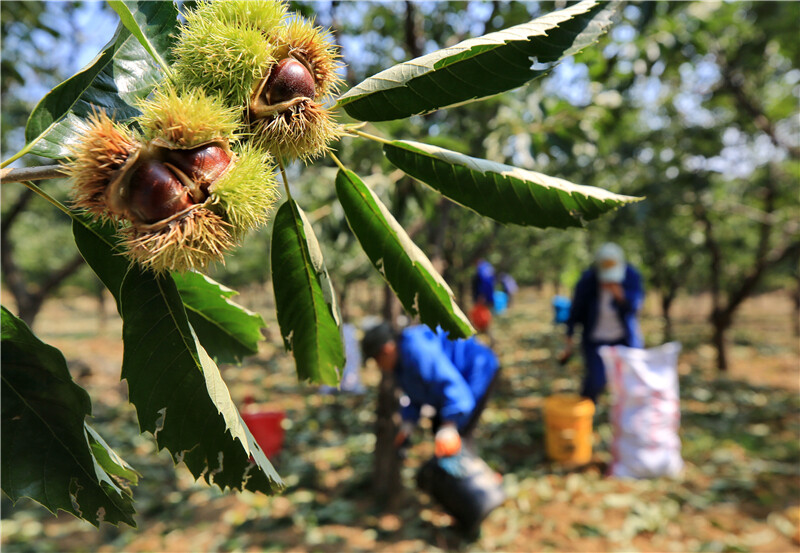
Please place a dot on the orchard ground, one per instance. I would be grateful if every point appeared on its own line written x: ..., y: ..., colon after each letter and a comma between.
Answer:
x: 741, y: 442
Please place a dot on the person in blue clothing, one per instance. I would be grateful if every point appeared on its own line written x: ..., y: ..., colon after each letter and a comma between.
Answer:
x: 605, y: 304
x: 456, y: 377
x: 483, y: 283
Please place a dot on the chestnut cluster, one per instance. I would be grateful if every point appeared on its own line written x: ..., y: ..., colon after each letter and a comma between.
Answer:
x: 183, y: 191
x: 250, y: 82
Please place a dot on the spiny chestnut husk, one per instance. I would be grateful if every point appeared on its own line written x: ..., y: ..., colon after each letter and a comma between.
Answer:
x: 192, y: 241
x: 97, y: 159
x: 285, y: 119
x: 227, y: 47
x: 276, y: 72
x: 180, y: 208
x: 187, y: 118
x: 163, y: 196
x: 230, y: 191
x: 244, y: 194
x: 286, y: 113
x: 211, y: 196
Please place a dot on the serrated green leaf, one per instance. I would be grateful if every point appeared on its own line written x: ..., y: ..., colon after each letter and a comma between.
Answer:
x: 122, y: 73
x: 175, y: 386
x: 228, y: 331
x: 506, y: 194
x: 109, y: 459
x: 149, y: 29
x: 45, y: 452
x: 110, y: 269
x: 479, y: 67
x: 418, y: 286
x: 307, y: 312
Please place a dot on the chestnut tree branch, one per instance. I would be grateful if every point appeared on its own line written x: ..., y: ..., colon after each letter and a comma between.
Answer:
x: 41, y: 172
x: 733, y: 84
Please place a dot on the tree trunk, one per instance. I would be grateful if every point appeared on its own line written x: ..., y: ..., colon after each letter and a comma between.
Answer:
x: 720, y: 323
x: 343, y: 309
x: 28, y: 306
x: 666, y: 305
x: 437, y: 233
x: 413, y: 30
x: 797, y: 309
x: 29, y: 303
x: 719, y: 344
x: 461, y: 291
x: 386, y: 483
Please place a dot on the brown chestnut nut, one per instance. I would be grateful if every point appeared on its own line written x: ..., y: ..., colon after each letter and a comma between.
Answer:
x: 289, y: 79
x: 156, y: 193
x: 203, y: 164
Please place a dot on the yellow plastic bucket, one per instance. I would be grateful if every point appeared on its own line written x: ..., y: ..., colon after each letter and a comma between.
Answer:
x: 568, y: 428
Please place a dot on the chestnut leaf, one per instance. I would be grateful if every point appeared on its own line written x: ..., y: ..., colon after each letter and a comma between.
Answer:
x: 228, y: 331
x: 478, y: 67
x: 122, y: 73
x: 404, y: 266
x: 304, y: 299
x: 141, y: 26
x: 46, y: 451
x: 174, y: 384
x: 107, y: 458
x: 504, y: 193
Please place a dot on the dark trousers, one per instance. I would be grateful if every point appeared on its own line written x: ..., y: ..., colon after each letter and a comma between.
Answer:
x: 594, y: 380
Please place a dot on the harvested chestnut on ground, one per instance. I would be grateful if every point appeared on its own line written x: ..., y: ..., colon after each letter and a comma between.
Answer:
x: 203, y: 164
x: 156, y: 193
x: 289, y: 79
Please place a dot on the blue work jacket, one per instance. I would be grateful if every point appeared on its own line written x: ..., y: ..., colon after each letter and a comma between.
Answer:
x: 585, y: 306
x: 483, y: 283
x: 450, y: 375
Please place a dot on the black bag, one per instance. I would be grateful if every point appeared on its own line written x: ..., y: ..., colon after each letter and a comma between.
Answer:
x: 465, y: 486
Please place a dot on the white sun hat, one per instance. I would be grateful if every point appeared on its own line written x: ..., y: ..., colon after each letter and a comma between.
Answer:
x: 610, y: 263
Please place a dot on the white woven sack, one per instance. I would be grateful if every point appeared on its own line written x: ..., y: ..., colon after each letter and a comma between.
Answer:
x: 645, y: 412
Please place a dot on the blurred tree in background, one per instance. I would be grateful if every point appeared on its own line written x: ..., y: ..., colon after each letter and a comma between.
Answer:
x: 43, y: 44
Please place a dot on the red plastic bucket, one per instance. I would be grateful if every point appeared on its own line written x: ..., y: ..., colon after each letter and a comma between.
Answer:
x: 266, y: 429
x: 480, y: 316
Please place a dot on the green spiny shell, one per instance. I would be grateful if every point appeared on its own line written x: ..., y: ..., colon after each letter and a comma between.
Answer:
x: 188, y: 118
x: 304, y: 131
x: 246, y: 192
x: 225, y: 47
x: 264, y: 15
x: 193, y: 241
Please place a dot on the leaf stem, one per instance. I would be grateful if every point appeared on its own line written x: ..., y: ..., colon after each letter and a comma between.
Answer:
x: 49, y: 198
x: 18, y: 155
x: 285, y: 179
x: 336, y: 161
x: 40, y: 172
x: 370, y: 136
